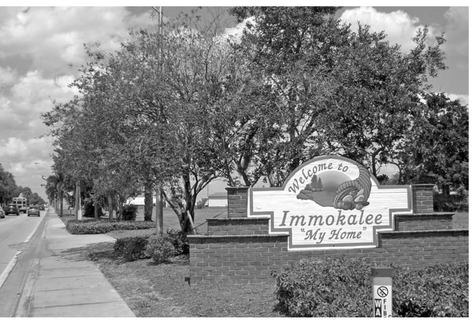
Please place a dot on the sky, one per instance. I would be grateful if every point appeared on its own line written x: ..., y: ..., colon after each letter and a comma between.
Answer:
x: 41, y: 51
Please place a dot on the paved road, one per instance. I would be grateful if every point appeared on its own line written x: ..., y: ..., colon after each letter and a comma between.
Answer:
x: 16, y: 236
x: 14, y: 232
x: 52, y: 279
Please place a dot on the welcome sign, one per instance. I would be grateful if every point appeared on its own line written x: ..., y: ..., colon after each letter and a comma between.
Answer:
x: 330, y: 202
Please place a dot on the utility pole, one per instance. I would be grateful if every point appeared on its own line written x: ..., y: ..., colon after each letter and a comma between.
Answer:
x: 78, y: 201
x: 159, y: 186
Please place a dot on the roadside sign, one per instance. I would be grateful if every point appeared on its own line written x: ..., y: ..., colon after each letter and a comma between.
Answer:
x: 382, y: 292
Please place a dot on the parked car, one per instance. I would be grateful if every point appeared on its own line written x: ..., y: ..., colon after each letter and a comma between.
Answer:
x: 41, y: 207
x: 2, y: 213
x: 12, y: 209
x: 33, y: 211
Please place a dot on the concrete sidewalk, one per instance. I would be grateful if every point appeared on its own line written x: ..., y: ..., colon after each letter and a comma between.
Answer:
x: 61, y: 284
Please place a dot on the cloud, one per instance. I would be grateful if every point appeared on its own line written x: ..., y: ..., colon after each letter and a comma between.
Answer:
x: 7, y: 76
x: 398, y: 25
x: 38, y: 46
x: 30, y: 96
x: 52, y: 37
x: 27, y: 160
x: 463, y: 99
x: 13, y: 148
x: 457, y: 37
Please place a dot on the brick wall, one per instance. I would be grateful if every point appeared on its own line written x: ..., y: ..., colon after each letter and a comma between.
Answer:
x: 238, y: 226
x: 239, y: 249
x: 422, y: 198
x: 237, y: 202
x: 251, y: 259
x: 424, y: 221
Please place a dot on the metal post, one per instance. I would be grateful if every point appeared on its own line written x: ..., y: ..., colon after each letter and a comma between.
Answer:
x: 382, y: 292
x: 78, y: 201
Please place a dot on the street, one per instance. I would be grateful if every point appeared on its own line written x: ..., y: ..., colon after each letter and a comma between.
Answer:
x: 16, y: 236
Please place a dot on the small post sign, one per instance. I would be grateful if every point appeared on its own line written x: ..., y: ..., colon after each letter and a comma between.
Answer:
x: 382, y: 292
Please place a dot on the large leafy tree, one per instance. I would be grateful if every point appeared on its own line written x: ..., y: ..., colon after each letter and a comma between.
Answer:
x: 324, y: 89
x: 436, y: 146
x: 145, y: 112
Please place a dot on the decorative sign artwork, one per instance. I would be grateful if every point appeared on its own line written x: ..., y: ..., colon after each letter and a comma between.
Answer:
x: 330, y: 202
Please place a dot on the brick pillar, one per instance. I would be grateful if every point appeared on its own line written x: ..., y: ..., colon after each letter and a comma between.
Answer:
x: 237, y: 202
x: 422, y: 198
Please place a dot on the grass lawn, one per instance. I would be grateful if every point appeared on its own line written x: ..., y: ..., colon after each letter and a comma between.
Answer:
x: 160, y: 290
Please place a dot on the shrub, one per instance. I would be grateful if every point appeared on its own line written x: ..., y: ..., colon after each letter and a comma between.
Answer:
x: 336, y: 287
x: 132, y: 248
x: 129, y: 212
x: 179, y: 241
x: 330, y: 287
x: 81, y: 227
x: 434, y: 291
x: 160, y: 249
x: 102, y: 226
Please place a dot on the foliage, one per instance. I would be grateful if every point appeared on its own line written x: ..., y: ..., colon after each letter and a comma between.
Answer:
x: 340, y: 287
x: 129, y: 212
x: 132, y: 248
x: 316, y: 87
x: 329, y: 287
x: 450, y: 203
x: 142, y: 119
x: 434, y: 291
x: 173, y: 110
x: 160, y: 249
x: 7, y: 186
x: 9, y: 189
x: 102, y: 226
x: 438, y: 145
x: 179, y: 240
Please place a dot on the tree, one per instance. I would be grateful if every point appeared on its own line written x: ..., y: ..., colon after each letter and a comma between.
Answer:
x: 436, y: 145
x: 320, y: 88
x: 144, y: 113
x: 7, y: 186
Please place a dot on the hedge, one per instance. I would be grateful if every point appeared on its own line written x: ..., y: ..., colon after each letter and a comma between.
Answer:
x: 93, y: 226
x: 339, y: 287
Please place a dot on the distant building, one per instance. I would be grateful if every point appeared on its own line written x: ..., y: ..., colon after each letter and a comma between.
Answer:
x: 218, y: 199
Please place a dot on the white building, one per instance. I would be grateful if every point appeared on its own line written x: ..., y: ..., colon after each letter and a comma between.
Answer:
x: 218, y: 199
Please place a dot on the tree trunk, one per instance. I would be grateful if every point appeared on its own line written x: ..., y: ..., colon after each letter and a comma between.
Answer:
x: 148, y: 202
x: 111, y: 206
x: 61, y: 202
x: 96, y: 210
x: 159, y: 211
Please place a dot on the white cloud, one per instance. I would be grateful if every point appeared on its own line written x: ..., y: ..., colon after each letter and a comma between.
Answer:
x: 237, y: 31
x: 37, y: 44
x: 398, y: 25
x: 457, y: 34
x: 30, y: 96
x: 463, y: 99
x: 18, y: 149
x: 7, y: 76
x: 13, y: 147
x: 52, y: 37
